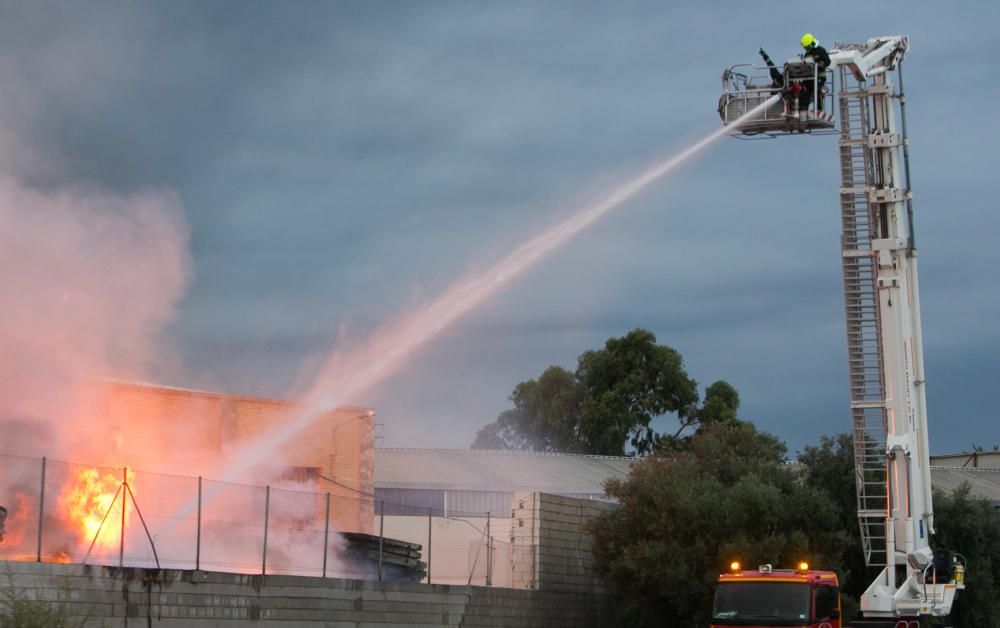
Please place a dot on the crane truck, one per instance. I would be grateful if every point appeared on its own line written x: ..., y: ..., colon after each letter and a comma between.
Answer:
x: 885, y: 353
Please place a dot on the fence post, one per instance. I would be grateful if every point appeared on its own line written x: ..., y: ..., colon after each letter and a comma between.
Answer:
x: 381, y: 535
x: 197, y: 542
x: 430, y: 518
x: 121, y: 545
x: 267, y: 512
x: 41, y: 513
x: 326, y: 532
x: 489, y: 552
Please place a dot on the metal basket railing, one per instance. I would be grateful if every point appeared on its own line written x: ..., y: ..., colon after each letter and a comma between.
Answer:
x: 746, y: 86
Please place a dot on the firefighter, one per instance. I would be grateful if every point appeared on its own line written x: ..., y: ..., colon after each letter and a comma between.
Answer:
x: 814, y: 53
x: 777, y: 78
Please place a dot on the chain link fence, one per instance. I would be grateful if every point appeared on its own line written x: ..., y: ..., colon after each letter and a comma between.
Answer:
x: 58, y: 511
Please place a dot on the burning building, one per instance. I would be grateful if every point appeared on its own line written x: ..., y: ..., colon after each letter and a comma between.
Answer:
x: 145, y: 464
x: 335, y: 454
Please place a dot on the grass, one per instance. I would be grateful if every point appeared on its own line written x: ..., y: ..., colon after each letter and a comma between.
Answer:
x: 19, y: 610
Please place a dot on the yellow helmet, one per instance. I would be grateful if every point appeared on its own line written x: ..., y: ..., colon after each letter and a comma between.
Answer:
x: 808, y: 41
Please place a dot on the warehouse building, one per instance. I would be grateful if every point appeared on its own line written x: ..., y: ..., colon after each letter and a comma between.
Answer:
x: 477, y: 481
x: 339, y: 444
x: 460, y: 481
x: 462, y: 499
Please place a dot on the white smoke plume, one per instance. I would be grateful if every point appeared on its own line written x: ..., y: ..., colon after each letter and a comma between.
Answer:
x: 88, y: 279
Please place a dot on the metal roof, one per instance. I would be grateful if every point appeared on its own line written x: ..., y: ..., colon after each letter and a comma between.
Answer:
x: 984, y: 483
x: 974, y: 459
x: 488, y: 470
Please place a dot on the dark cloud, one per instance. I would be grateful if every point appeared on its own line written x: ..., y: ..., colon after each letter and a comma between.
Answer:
x: 341, y: 161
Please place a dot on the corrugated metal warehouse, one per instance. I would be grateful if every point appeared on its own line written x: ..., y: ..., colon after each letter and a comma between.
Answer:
x: 476, y: 481
x: 457, y: 481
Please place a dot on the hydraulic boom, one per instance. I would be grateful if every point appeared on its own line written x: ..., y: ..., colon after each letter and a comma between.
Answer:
x: 882, y: 305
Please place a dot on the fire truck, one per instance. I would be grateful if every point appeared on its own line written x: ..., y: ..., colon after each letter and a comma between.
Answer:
x: 777, y: 597
x: 884, y: 345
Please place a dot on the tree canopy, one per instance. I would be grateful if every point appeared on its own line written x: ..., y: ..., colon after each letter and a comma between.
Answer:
x: 721, y: 492
x: 689, y: 509
x: 971, y: 527
x: 608, y: 404
x: 685, y: 513
x: 829, y: 466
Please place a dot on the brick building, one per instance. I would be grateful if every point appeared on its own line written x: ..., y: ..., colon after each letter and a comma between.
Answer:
x: 199, y: 424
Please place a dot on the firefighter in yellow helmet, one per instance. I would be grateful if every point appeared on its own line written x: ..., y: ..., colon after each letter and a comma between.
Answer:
x: 814, y: 53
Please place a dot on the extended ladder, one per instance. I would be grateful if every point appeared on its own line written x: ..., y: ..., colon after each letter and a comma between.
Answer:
x: 864, y: 330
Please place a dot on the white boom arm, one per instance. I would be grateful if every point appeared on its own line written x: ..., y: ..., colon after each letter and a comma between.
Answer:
x: 877, y: 56
x: 882, y: 303
x: 880, y: 276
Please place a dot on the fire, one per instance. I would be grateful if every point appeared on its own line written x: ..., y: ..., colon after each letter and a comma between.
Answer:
x: 60, y: 557
x: 17, y: 517
x: 90, y: 498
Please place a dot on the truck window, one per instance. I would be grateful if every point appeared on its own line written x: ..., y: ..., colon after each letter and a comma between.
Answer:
x: 826, y: 602
x: 761, y: 603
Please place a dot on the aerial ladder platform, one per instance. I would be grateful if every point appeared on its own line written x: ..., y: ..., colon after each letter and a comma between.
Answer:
x: 882, y: 306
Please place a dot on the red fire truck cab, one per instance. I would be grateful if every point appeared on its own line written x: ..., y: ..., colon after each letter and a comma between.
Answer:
x: 766, y: 597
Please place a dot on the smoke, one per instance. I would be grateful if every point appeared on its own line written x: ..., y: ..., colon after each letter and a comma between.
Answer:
x: 89, y: 279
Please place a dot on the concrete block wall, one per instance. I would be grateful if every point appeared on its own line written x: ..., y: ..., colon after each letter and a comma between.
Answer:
x: 550, y: 547
x: 111, y: 597
x: 524, y: 541
x: 511, y: 608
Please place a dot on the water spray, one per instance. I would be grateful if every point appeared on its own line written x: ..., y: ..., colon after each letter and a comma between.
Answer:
x: 345, y: 375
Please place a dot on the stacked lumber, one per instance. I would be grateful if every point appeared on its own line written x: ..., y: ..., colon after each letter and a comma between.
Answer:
x: 400, y: 559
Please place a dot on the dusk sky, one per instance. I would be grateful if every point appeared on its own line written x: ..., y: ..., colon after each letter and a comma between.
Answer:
x: 338, y: 163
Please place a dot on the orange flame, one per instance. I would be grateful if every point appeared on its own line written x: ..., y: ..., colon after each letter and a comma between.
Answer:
x: 17, y: 517
x: 90, y: 498
x: 59, y: 557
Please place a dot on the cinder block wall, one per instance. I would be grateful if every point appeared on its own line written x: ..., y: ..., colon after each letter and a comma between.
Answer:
x: 550, y: 548
x: 112, y: 597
